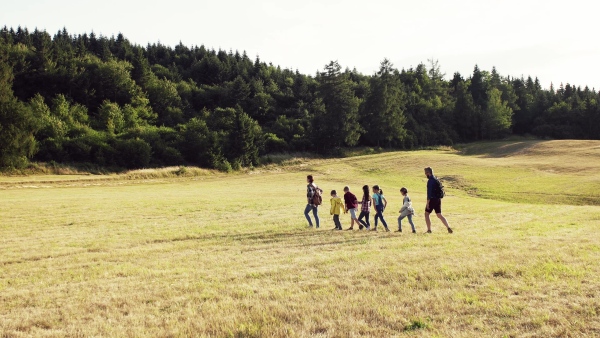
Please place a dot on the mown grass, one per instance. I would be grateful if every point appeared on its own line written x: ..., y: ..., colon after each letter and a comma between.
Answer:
x: 229, y: 255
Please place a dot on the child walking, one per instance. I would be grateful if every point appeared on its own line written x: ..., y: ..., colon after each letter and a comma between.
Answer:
x: 380, y: 204
x: 351, y: 206
x: 365, y: 208
x: 406, y: 211
x: 336, y: 209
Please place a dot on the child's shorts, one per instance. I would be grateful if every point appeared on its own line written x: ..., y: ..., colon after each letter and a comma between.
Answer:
x: 352, y: 213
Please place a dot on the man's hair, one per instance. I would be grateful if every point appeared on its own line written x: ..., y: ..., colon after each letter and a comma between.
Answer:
x: 310, y: 178
x: 404, y: 190
x: 346, y: 188
x: 429, y: 170
x: 333, y: 192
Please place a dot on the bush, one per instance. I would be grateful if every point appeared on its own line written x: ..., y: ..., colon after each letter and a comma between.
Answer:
x: 133, y: 153
x: 223, y: 165
x: 274, y: 144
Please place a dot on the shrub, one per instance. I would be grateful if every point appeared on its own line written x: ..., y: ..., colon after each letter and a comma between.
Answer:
x: 133, y: 153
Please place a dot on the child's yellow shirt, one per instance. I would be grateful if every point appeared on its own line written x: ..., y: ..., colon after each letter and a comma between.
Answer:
x: 337, y: 206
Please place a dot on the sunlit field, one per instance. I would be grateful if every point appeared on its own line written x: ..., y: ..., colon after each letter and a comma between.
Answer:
x: 229, y: 255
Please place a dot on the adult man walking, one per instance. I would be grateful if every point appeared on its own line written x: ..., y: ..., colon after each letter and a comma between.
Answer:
x: 434, y: 200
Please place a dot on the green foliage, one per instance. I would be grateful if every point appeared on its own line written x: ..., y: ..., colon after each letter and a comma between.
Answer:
x: 79, y: 98
x: 383, y: 111
x: 336, y: 117
x: 18, y: 125
x: 497, y: 115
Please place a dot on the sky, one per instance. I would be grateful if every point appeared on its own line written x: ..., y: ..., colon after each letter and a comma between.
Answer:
x: 557, y: 41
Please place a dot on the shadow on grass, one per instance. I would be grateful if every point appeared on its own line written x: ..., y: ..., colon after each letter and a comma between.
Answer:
x: 294, y: 238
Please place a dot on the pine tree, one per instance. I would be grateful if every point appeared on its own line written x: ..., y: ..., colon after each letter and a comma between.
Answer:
x: 338, y: 126
x: 383, y: 111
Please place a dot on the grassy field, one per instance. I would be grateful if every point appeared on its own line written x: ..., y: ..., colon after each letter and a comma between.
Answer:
x: 221, y: 255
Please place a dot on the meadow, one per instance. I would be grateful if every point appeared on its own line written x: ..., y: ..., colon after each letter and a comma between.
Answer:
x: 229, y: 255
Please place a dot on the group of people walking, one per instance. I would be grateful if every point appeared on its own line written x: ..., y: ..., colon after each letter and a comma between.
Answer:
x: 373, y: 197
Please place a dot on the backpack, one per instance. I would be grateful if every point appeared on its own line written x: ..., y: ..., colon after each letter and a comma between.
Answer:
x: 439, y: 190
x: 317, y: 199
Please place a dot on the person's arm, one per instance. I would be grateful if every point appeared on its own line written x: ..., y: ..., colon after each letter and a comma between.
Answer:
x: 404, y: 207
x: 429, y: 192
x: 384, y: 202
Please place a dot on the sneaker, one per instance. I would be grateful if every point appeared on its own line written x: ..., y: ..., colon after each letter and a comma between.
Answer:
x: 349, y: 229
x: 374, y: 229
x: 387, y: 230
x: 428, y: 232
x: 450, y: 230
x: 317, y: 226
x: 414, y: 231
x: 399, y: 230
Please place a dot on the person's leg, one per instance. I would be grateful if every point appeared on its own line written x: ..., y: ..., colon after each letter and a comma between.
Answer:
x: 428, y: 221
x: 445, y: 221
x: 360, y: 219
x: 400, y: 223
x: 353, y: 218
x: 383, y: 221
x: 376, y: 219
x: 412, y: 225
x: 316, y: 214
x: 306, y: 214
x: 336, y: 220
x: 367, y: 218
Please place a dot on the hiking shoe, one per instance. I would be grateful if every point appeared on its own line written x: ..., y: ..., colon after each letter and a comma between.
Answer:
x: 428, y: 232
x: 374, y: 229
x: 349, y: 229
x: 387, y: 230
x: 399, y: 230
x: 450, y: 230
x: 414, y: 231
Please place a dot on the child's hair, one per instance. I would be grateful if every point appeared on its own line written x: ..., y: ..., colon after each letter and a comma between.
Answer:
x: 366, y: 190
x: 376, y: 187
x: 380, y: 191
x: 310, y: 178
x: 333, y: 192
x: 346, y: 188
x: 404, y: 190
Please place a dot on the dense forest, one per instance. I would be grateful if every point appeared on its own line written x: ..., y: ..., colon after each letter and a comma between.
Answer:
x: 107, y: 102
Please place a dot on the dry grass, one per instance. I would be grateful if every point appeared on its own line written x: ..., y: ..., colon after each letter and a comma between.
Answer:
x: 229, y: 255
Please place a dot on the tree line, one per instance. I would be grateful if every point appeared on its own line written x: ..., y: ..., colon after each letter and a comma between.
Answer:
x: 105, y: 101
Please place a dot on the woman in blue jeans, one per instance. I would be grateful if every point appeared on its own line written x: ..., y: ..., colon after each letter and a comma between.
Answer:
x: 380, y: 204
x: 311, y: 191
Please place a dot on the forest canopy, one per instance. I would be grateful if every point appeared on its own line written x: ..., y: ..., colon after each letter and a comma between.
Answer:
x: 107, y: 102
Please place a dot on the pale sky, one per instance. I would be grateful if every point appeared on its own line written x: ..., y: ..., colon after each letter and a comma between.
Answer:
x: 556, y: 41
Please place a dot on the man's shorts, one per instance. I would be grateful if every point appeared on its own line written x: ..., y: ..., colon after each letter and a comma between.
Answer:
x: 352, y: 213
x: 434, y: 204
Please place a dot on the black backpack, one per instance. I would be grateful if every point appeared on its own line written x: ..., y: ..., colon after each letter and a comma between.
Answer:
x: 439, y: 189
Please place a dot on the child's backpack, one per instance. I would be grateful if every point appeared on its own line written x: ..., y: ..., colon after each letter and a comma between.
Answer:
x: 440, y: 192
x: 317, y: 199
